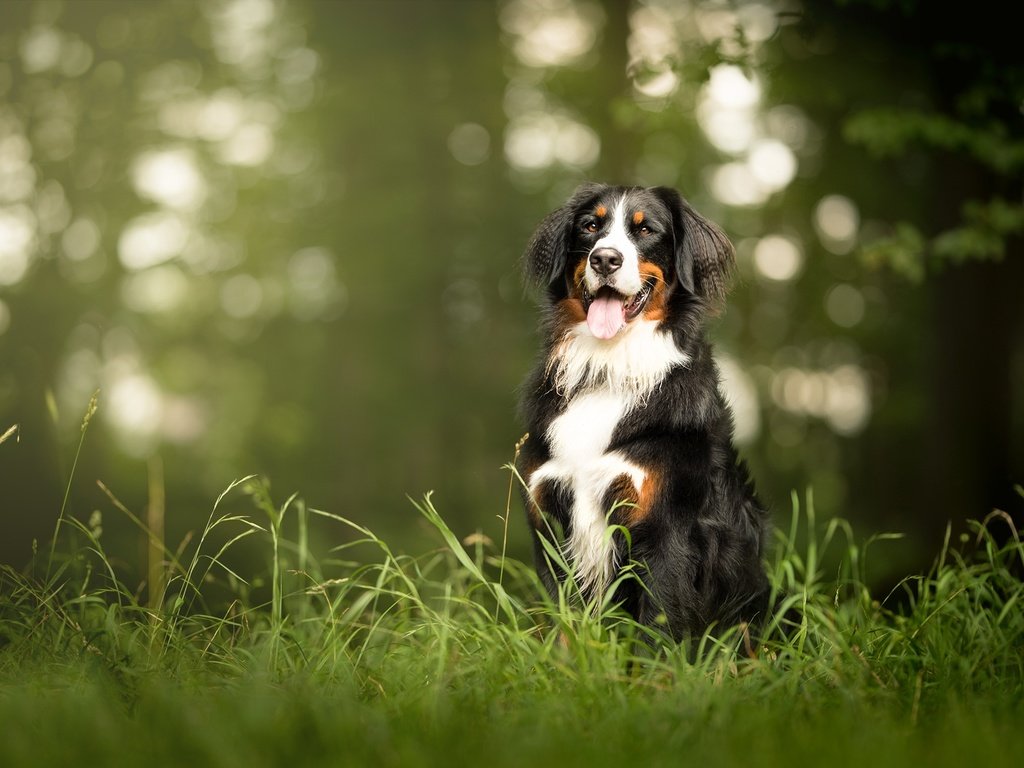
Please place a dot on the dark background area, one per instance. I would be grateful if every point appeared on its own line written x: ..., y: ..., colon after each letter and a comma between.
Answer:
x: 282, y: 238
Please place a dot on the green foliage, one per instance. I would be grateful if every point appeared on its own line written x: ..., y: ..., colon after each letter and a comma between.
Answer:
x: 380, y: 657
x: 903, y: 251
x: 971, y: 86
x: 982, y: 237
x: 888, y: 131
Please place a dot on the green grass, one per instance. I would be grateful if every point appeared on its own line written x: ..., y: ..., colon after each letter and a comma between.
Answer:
x: 368, y: 656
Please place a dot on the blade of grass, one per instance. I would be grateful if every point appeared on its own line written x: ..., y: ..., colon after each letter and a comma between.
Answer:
x: 90, y: 411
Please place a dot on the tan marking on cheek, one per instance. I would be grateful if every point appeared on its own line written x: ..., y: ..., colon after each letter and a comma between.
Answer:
x: 601, y: 212
x: 651, y: 271
x: 570, y: 312
x: 657, y: 305
x: 638, y: 218
x: 577, y: 279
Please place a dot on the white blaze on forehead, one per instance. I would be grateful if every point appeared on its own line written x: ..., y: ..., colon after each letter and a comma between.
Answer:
x: 626, y: 280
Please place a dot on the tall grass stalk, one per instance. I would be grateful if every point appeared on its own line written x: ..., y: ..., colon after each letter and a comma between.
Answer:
x: 90, y: 411
x: 155, y: 534
x: 12, y: 431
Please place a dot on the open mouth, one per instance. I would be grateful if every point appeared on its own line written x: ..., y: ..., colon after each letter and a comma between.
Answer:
x: 608, y: 311
x: 631, y: 305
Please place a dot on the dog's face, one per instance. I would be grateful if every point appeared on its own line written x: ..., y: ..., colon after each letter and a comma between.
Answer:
x: 627, y: 244
x: 612, y: 255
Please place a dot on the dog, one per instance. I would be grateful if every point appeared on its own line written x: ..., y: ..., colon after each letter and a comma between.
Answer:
x: 629, y: 457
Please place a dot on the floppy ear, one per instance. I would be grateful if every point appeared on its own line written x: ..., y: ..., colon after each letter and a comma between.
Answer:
x: 545, y: 258
x: 704, y: 256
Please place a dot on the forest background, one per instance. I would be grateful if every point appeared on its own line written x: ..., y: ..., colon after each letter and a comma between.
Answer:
x: 282, y: 238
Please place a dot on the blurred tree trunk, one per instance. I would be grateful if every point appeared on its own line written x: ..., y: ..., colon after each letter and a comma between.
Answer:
x: 619, y: 146
x: 973, y: 452
x: 976, y: 308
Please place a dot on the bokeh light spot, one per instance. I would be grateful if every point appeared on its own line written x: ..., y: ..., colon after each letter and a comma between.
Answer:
x: 241, y: 296
x: 17, y: 176
x: 17, y: 240
x: 135, y: 410
x: 777, y: 257
x: 741, y: 394
x: 550, y: 33
x: 735, y: 184
x: 170, y: 177
x: 152, y: 239
x: 161, y: 289
x: 81, y: 239
x: 772, y: 163
x: 729, y: 87
x: 657, y: 85
x: 837, y: 220
x: 538, y: 141
x: 249, y: 146
x: 315, y: 291
x: 469, y: 143
x: 40, y: 49
x: 845, y: 305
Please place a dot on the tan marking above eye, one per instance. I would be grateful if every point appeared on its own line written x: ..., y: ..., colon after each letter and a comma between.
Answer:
x: 601, y: 212
x: 638, y: 218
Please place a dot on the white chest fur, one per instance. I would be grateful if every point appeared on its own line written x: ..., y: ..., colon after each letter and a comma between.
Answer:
x: 580, y: 460
x: 633, y: 363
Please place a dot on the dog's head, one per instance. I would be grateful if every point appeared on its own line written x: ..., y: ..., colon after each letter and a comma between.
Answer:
x: 615, y: 254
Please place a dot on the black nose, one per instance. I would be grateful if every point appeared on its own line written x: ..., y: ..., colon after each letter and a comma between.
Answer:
x: 605, y: 260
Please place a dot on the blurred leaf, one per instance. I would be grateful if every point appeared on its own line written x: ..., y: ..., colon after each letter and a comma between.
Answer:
x: 889, y: 131
x: 903, y: 252
x: 983, y: 236
x: 967, y: 243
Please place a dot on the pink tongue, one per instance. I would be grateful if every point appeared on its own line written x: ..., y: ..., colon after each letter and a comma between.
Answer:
x: 606, y: 316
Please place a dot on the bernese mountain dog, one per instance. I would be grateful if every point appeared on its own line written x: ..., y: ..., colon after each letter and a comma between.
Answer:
x: 629, y: 457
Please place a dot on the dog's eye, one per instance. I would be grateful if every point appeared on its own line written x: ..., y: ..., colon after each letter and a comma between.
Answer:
x: 590, y: 227
x: 644, y: 230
